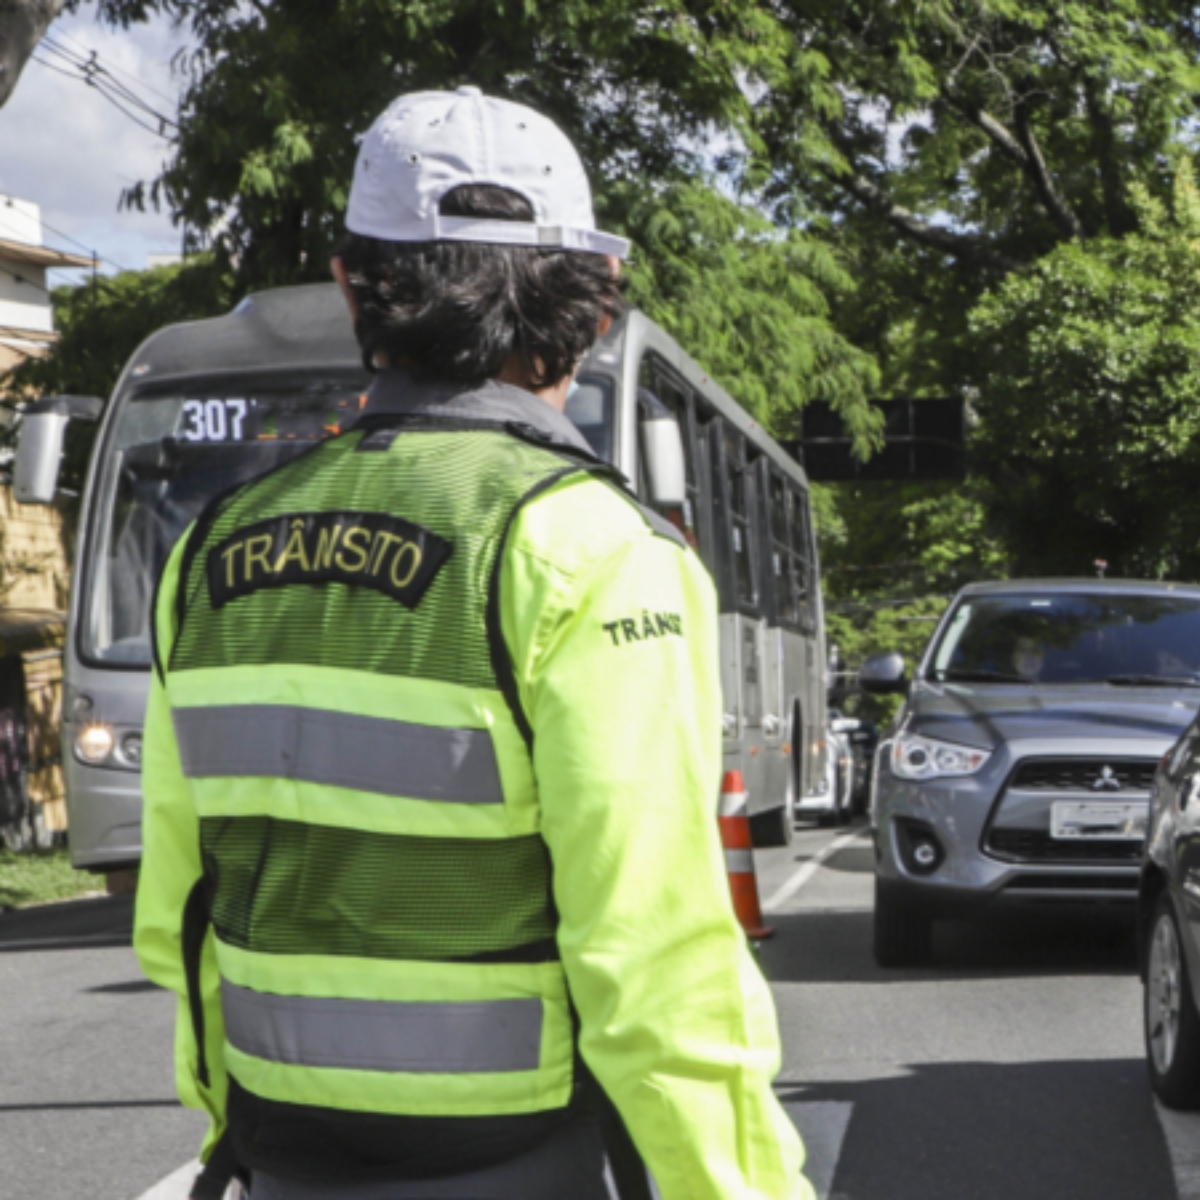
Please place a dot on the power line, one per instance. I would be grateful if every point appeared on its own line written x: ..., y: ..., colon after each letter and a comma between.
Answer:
x: 22, y: 279
x: 91, y: 68
x: 96, y: 75
x: 59, y: 233
x: 62, y: 33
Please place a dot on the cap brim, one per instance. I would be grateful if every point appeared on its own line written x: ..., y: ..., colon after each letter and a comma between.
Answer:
x: 499, y: 233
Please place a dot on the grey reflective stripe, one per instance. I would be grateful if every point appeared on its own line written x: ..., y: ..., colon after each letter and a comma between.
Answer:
x: 474, y: 1037
x: 739, y: 862
x: 370, y: 754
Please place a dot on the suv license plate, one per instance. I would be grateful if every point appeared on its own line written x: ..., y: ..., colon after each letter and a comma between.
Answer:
x: 1109, y: 820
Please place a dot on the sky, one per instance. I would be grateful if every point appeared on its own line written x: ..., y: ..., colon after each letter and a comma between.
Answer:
x: 65, y: 147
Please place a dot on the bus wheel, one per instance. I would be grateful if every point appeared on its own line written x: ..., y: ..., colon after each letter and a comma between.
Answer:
x: 772, y: 828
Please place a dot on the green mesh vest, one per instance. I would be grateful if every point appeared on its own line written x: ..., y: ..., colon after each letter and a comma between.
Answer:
x: 349, y: 726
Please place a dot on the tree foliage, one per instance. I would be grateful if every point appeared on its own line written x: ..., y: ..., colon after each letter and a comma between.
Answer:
x: 892, y: 555
x: 752, y: 302
x: 100, y: 325
x: 102, y: 322
x: 267, y: 138
x: 1089, y: 400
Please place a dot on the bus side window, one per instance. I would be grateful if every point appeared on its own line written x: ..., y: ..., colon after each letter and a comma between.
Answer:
x: 783, y: 566
x: 668, y: 391
x: 803, y: 556
x: 736, y: 492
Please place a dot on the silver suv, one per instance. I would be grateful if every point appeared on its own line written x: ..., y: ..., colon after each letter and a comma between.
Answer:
x: 1018, y: 769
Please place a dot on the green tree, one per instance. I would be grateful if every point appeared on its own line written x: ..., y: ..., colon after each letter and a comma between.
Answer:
x: 265, y: 147
x: 752, y: 303
x: 892, y: 555
x: 102, y: 322
x: 1089, y: 399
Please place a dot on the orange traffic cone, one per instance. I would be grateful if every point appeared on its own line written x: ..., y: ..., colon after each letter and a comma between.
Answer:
x: 739, y: 855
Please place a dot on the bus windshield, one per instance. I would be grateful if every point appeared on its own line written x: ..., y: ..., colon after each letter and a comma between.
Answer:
x: 166, y: 457
x: 590, y: 407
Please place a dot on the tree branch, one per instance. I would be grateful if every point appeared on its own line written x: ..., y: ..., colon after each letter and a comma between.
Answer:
x: 1023, y: 150
x: 986, y: 123
x: 22, y: 24
x: 1117, y: 214
x: 915, y: 228
x: 1038, y: 172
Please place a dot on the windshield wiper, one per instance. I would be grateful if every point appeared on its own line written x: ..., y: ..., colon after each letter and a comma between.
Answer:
x: 1153, y: 681
x: 981, y: 676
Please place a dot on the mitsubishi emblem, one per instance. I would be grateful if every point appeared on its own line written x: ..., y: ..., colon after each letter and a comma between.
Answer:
x: 1106, y: 781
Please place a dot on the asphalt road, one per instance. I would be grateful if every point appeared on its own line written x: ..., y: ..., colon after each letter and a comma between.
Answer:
x: 1010, y: 1070
x: 87, y: 1098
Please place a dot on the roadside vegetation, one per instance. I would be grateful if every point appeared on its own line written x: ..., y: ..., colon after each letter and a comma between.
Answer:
x: 41, y: 876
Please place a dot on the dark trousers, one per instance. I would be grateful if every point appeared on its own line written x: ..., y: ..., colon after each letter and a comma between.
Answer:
x: 572, y: 1163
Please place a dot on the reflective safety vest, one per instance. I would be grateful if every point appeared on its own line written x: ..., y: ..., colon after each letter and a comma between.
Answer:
x: 348, y: 722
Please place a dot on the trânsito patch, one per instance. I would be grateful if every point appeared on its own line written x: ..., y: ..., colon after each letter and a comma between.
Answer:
x: 363, y: 549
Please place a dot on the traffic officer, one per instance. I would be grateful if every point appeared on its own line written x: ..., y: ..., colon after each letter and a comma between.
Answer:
x: 430, y: 857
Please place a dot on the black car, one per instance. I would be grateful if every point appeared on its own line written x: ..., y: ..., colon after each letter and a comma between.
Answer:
x: 1169, y: 925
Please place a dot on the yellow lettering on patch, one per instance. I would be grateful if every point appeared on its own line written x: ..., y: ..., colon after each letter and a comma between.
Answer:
x: 263, y: 542
x: 327, y: 540
x: 295, y: 550
x: 383, y: 542
x: 230, y: 556
x: 413, y: 552
x: 351, y: 542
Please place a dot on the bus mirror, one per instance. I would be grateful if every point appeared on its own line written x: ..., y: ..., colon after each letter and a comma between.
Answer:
x: 40, y: 444
x: 883, y: 673
x: 662, y: 445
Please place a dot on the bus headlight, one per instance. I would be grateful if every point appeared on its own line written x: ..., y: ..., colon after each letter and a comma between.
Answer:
x: 926, y: 758
x: 131, y: 749
x: 94, y: 743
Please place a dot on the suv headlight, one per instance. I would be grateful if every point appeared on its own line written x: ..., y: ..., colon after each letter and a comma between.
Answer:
x: 924, y: 758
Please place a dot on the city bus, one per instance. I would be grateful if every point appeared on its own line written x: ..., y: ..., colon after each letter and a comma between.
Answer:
x: 203, y: 406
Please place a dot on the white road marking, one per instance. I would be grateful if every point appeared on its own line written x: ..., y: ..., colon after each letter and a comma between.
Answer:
x: 791, y: 886
x: 822, y: 1125
x: 1182, y: 1131
x: 178, y: 1185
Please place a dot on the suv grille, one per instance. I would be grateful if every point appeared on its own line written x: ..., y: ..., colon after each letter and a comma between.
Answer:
x: 1080, y: 774
x: 1032, y: 845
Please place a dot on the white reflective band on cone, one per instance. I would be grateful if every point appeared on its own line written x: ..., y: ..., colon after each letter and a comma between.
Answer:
x: 733, y: 804
x: 739, y: 862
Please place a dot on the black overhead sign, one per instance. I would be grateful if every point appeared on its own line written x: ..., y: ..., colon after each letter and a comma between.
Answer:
x: 925, y: 439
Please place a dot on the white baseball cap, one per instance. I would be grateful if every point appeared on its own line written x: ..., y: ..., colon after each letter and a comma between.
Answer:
x: 429, y: 143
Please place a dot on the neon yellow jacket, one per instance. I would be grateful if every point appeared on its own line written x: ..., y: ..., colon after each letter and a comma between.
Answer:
x: 676, y: 1020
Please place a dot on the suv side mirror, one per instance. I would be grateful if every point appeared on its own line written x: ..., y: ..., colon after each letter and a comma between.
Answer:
x: 40, y: 444
x: 662, y: 452
x: 883, y: 673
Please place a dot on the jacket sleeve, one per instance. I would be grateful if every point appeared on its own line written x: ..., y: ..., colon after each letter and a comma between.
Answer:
x: 617, y: 667
x: 169, y: 870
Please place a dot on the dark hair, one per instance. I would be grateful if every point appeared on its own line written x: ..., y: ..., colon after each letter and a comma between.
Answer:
x: 458, y: 309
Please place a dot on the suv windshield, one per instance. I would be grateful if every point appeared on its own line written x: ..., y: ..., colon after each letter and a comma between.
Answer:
x: 1059, y: 637
x: 165, y: 458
